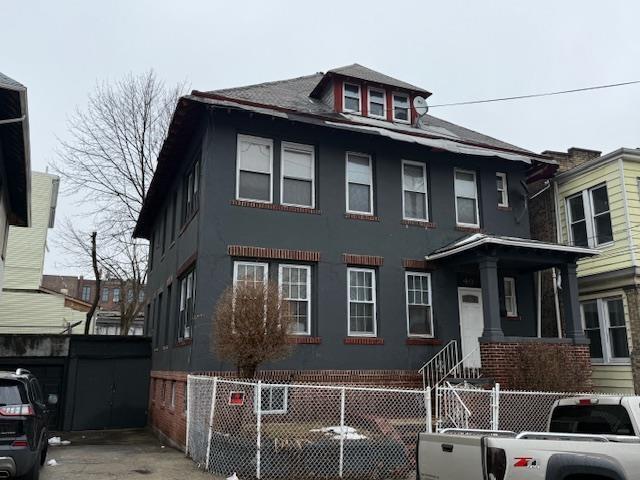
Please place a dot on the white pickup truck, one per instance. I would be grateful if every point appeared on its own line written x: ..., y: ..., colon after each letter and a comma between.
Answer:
x: 588, y: 438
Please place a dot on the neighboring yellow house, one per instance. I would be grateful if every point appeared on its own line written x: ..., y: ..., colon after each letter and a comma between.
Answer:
x: 598, y: 205
x: 25, y: 307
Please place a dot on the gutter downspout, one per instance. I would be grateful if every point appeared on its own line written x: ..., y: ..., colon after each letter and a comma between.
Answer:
x: 553, y: 270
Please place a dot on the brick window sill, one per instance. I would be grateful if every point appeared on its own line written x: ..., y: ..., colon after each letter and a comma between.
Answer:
x: 303, y: 340
x: 276, y: 207
x: 504, y: 209
x: 512, y: 317
x: 363, y: 341
x: 418, y: 223
x: 460, y: 228
x: 423, y: 341
x: 357, y: 216
x: 184, y: 343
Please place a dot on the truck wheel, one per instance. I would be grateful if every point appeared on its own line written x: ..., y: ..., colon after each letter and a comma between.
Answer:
x: 43, y: 455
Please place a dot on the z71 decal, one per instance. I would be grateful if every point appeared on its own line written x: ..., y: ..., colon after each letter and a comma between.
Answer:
x: 525, y: 462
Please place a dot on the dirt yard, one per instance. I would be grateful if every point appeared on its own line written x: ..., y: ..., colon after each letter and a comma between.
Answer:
x: 117, y: 455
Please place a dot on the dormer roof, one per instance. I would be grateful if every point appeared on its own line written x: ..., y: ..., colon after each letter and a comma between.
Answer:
x: 362, y: 73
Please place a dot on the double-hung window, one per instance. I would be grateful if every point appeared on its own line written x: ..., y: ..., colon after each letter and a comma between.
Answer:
x: 351, y: 98
x: 359, y: 183
x: 377, y: 102
x: 589, y: 217
x: 605, y: 325
x: 414, y: 190
x: 116, y: 295
x: 501, y: 187
x: 251, y: 274
x: 86, y: 293
x: 510, y: 302
x: 105, y: 294
x: 254, y: 169
x: 362, y: 302
x: 401, y: 110
x: 419, y: 316
x: 187, y: 303
x: 190, y: 196
x: 298, y: 175
x: 466, y: 198
x: 295, y: 287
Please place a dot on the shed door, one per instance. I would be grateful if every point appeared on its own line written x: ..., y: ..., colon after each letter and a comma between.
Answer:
x: 471, y: 324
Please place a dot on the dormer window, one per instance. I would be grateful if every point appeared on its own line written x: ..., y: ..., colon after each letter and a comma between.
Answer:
x: 401, y: 108
x: 377, y: 100
x: 351, y: 100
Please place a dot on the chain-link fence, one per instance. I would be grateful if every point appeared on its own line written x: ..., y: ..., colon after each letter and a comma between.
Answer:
x: 268, y: 430
x: 471, y: 407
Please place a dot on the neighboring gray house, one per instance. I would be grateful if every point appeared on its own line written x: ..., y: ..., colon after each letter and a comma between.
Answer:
x: 15, y: 164
x: 392, y: 234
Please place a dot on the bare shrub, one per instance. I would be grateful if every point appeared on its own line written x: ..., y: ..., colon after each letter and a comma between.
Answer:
x: 251, y: 326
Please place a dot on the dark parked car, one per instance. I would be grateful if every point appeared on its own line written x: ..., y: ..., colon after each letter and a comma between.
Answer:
x: 23, y: 425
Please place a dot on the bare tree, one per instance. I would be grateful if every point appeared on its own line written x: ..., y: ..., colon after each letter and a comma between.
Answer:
x: 251, y: 326
x: 96, y: 293
x: 107, y: 162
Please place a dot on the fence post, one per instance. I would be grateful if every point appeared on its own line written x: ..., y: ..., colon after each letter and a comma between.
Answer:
x: 258, y: 426
x: 211, y: 413
x: 186, y: 392
x: 437, y: 388
x: 427, y: 406
x: 342, y: 432
x: 495, y: 407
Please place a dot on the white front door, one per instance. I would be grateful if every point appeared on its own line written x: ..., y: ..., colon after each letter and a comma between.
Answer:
x: 471, y: 324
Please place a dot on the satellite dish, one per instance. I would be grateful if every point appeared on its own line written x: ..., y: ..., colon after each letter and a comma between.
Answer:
x: 420, y: 105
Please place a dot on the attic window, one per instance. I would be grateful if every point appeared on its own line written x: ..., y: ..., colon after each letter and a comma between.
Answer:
x: 401, y: 108
x: 376, y: 103
x: 351, y: 98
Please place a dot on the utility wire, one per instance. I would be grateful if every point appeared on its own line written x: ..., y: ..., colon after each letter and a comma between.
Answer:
x: 534, y: 95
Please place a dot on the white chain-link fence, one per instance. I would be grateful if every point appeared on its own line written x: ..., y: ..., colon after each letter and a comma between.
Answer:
x: 495, y: 409
x: 267, y: 430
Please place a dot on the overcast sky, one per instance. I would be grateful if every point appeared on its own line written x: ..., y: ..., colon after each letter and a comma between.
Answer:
x: 457, y: 50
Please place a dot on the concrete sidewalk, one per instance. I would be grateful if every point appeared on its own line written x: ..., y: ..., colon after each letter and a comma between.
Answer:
x: 118, y: 454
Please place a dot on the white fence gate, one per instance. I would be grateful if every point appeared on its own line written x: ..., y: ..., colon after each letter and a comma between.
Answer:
x: 278, y: 431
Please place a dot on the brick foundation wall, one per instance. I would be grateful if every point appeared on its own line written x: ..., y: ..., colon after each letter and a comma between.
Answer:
x: 169, y: 420
x: 633, y: 303
x: 556, y: 366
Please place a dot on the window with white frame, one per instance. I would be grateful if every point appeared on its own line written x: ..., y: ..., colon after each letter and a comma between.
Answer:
x: 295, y: 287
x: 501, y: 186
x: 298, y: 175
x: 377, y: 103
x: 419, y: 316
x: 466, y: 198
x: 187, y: 303
x: 605, y: 325
x: 359, y: 183
x: 273, y: 399
x: 251, y: 274
x: 362, y: 302
x: 510, y: 302
x: 351, y: 99
x: 414, y: 190
x: 254, y: 166
x: 589, y: 217
x: 401, y: 109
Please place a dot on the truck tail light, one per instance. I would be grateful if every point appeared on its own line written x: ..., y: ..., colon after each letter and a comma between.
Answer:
x: 20, y: 443
x: 496, y: 462
x: 17, y: 411
x: 587, y: 401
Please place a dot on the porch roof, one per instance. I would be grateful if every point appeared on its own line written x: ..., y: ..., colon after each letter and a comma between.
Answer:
x: 481, y: 241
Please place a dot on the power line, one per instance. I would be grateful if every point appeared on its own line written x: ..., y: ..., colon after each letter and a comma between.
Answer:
x: 534, y: 95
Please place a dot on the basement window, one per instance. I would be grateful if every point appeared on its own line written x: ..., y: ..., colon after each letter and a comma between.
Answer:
x: 273, y: 399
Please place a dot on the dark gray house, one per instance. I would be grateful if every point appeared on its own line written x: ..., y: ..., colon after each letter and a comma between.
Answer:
x: 392, y: 233
x: 15, y: 165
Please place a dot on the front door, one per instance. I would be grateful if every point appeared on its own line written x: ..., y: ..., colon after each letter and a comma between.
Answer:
x: 471, y: 324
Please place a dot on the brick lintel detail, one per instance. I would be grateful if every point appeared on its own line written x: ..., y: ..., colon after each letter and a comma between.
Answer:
x: 273, y: 253
x: 366, y: 260
x: 423, y: 341
x: 469, y: 229
x: 358, y: 216
x: 304, y: 340
x: 418, y: 223
x: 417, y: 264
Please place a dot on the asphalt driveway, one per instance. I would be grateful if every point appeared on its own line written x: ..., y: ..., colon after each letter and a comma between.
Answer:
x: 118, y: 454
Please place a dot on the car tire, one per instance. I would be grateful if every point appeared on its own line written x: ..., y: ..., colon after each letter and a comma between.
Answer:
x: 43, y: 455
